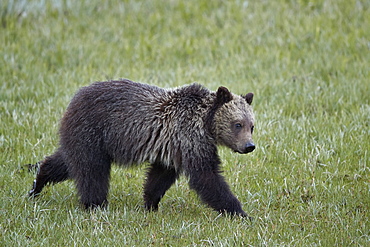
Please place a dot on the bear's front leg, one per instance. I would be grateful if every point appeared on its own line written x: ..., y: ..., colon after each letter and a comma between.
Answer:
x: 213, y: 190
x: 159, y: 180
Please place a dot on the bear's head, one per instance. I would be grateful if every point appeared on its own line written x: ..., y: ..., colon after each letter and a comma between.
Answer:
x: 233, y: 120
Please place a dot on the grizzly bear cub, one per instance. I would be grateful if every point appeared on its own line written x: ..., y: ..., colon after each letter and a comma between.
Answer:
x: 176, y: 130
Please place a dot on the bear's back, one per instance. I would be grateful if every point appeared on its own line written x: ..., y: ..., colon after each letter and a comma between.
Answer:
x: 133, y: 122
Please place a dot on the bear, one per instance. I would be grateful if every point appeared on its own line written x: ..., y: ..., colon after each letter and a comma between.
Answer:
x: 175, y: 131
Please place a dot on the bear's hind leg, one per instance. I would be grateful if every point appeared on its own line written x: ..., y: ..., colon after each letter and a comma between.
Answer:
x: 159, y: 180
x: 52, y: 170
x: 92, y: 181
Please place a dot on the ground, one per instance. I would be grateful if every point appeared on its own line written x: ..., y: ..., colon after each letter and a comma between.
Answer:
x: 307, y: 62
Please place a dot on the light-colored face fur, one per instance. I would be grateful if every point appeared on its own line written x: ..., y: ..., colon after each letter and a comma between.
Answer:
x: 234, y: 123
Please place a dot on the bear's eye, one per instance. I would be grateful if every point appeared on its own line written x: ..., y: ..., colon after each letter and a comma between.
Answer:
x: 238, y: 125
x: 252, y: 129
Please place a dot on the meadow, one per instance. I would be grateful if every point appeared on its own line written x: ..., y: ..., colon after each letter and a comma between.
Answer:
x: 307, y: 62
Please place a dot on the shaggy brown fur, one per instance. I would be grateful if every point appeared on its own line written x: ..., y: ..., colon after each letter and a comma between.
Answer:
x: 175, y: 130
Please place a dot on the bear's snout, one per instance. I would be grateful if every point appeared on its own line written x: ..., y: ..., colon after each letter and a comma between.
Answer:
x: 249, y: 147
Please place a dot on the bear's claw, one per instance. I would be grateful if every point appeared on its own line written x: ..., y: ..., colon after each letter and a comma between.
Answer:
x: 33, y: 191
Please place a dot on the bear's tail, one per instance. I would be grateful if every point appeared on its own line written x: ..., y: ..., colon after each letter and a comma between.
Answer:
x: 51, y: 170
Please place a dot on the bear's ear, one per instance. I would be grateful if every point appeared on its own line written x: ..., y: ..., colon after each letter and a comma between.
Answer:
x: 249, y: 98
x: 223, y: 95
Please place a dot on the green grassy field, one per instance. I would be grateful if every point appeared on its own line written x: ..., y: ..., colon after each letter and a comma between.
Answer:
x: 308, y: 63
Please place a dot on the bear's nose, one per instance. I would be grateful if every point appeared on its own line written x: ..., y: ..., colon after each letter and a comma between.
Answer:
x: 249, y: 147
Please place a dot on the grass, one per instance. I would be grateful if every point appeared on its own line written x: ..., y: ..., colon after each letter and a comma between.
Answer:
x: 306, y: 184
